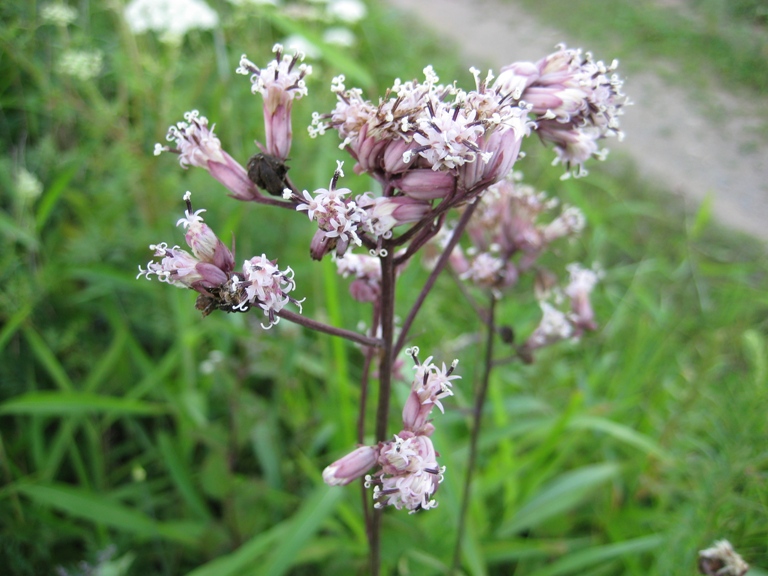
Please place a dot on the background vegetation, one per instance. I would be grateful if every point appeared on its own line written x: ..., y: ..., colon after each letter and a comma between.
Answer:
x: 138, y: 437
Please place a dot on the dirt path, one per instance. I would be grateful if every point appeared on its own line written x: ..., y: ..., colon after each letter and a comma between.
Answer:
x: 694, y: 147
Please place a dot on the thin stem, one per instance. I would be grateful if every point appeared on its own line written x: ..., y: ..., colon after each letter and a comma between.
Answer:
x: 387, y: 315
x: 364, y: 383
x: 328, y: 329
x: 273, y: 202
x: 476, y: 420
x: 441, y: 262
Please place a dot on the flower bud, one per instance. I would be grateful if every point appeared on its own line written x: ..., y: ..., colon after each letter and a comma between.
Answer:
x: 426, y: 184
x: 351, y: 466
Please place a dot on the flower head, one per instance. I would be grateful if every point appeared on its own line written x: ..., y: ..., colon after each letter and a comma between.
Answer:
x: 338, y: 218
x: 722, y: 560
x: 197, y: 145
x: 280, y: 83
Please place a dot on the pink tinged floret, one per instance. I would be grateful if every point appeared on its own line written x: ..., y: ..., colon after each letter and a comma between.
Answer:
x: 553, y: 327
x: 177, y: 267
x: 280, y: 83
x: 387, y: 212
x: 396, y: 158
x: 582, y: 282
x: 197, y: 145
x: 515, y: 78
x: 449, y: 138
x: 267, y: 287
x: 410, y: 474
x: 426, y: 184
x: 338, y: 219
x: 351, y: 466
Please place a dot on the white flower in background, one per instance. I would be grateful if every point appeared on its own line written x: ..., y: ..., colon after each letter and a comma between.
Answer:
x: 350, y: 11
x: 339, y: 37
x: 58, y: 14
x: 172, y: 19
x: 253, y: 2
x: 82, y: 64
x: 298, y: 43
x: 28, y: 187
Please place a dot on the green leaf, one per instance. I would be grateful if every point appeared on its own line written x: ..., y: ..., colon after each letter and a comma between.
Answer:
x: 101, y: 510
x: 69, y: 403
x: 702, y: 218
x: 304, y: 524
x: 576, y: 562
x: 52, y: 194
x: 239, y: 561
x: 47, y: 358
x: 286, y: 541
x: 559, y: 496
x: 182, y: 477
x: 619, y: 432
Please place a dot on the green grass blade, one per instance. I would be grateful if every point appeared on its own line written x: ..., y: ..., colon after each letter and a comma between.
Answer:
x: 48, y: 359
x: 71, y: 403
x: 576, y: 562
x: 182, y: 477
x: 101, y: 510
x: 106, y: 362
x: 13, y: 323
x: 558, y: 496
x: 244, y: 558
x: 52, y: 194
x: 317, y: 507
x: 619, y: 432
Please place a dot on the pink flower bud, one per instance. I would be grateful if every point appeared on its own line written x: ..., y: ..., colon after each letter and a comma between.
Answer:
x: 234, y: 177
x: 426, y: 184
x: 351, y: 466
x: 392, y: 159
x: 515, y: 78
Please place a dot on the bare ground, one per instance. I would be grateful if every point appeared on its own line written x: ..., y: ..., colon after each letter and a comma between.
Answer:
x: 691, y: 144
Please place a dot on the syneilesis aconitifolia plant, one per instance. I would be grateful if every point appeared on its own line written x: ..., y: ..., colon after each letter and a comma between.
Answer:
x: 435, y: 150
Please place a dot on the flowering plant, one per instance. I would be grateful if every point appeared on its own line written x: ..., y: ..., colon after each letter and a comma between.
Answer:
x: 435, y: 151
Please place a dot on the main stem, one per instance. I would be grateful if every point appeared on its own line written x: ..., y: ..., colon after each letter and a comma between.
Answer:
x: 476, y: 420
x: 385, y: 382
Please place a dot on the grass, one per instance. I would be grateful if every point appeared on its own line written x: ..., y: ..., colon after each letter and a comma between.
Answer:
x: 623, y: 455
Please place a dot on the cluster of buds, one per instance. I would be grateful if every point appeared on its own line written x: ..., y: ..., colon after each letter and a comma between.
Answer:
x: 507, y: 236
x: 576, y: 101
x: 557, y: 323
x: 408, y: 474
x: 209, y: 270
x: 426, y: 139
x: 341, y: 220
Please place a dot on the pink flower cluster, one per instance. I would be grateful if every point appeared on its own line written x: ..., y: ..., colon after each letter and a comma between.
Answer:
x: 341, y: 220
x: 426, y: 139
x: 575, y: 99
x: 508, y: 234
x: 209, y: 270
x: 557, y: 324
x: 197, y: 145
x: 408, y: 474
x: 280, y: 83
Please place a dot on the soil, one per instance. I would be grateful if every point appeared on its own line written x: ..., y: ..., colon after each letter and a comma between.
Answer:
x: 695, y: 145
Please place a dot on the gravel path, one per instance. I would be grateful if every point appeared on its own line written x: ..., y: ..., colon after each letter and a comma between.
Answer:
x: 692, y: 146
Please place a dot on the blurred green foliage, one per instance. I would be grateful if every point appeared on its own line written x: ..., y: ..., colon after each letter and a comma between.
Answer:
x: 137, y: 436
